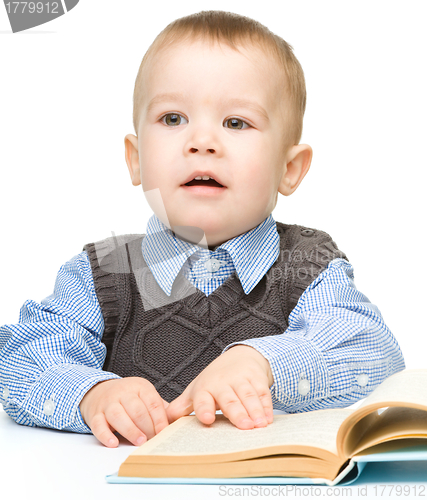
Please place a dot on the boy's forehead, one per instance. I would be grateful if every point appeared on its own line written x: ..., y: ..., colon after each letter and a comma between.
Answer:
x: 264, y: 65
x: 184, y: 48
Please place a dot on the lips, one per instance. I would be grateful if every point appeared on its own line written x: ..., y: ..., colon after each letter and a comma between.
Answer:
x: 210, y: 182
x: 214, y: 181
x: 204, y: 190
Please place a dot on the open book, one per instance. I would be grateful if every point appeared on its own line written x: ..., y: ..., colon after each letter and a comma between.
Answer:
x: 317, y: 444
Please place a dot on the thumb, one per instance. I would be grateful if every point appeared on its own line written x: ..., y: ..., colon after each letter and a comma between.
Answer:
x: 179, y: 407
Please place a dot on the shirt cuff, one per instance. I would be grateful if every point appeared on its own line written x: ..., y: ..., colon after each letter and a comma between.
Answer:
x: 53, y: 400
x: 305, y: 380
x: 299, y: 370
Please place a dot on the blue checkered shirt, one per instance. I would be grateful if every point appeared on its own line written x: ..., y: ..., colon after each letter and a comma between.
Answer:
x: 336, y: 350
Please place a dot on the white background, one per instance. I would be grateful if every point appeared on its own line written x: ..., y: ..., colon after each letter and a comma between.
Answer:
x: 66, y: 104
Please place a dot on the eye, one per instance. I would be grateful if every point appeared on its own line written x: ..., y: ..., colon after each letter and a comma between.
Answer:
x: 235, y: 123
x: 173, y: 119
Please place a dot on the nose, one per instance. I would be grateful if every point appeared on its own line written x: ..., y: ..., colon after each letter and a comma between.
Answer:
x: 195, y: 150
x: 204, y: 142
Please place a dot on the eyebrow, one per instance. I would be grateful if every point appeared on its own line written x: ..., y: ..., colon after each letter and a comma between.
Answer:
x: 166, y: 96
x: 246, y: 103
x: 238, y: 102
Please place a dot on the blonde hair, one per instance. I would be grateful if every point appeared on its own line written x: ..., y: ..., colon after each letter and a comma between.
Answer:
x: 234, y: 30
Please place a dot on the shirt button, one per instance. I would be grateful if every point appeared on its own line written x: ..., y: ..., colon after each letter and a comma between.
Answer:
x: 303, y: 387
x: 362, y: 379
x: 213, y: 265
x: 48, y: 407
x: 5, y: 393
x: 307, y: 232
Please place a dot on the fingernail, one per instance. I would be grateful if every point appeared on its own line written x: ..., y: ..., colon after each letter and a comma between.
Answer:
x: 112, y: 442
x: 208, y: 416
x: 247, y: 422
x: 140, y: 440
x: 260, y: 422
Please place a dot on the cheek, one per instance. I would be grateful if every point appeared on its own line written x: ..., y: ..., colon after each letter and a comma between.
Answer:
x: 256, y: 172
x: 154, y: 159
x: 149, y: 148
x: 256, y: 189
x: 265, y: 191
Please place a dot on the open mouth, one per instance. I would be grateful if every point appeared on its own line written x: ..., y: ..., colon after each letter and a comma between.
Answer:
x: 210, y: 182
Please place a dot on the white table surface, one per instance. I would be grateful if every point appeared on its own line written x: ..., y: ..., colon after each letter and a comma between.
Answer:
x: 45, y: 464
x: 38, y: 463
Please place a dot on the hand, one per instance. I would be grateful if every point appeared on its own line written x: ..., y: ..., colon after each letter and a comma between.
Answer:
x: 130, y: 406
x: 237, y: 383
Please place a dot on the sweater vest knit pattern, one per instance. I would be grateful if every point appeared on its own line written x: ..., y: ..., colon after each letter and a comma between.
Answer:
x: 170, y: 340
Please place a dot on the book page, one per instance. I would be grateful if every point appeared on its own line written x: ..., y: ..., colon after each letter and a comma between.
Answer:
x: 407, y: 387
x: 312, y: 429
x: 395, y: 423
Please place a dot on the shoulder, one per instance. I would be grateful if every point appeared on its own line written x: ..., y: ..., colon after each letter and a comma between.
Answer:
x: 306, y: 243
x: 297, y: 232
x: 113, y: 242
x: 112, y: 254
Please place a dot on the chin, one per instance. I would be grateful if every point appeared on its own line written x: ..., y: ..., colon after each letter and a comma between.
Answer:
x: 196, y: 231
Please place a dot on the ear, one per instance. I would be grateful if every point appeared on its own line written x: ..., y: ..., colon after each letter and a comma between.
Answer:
x: 132, y: 158
x: 298, y: 161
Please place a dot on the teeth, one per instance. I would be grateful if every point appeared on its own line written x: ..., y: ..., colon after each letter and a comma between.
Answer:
x: 205, y: 178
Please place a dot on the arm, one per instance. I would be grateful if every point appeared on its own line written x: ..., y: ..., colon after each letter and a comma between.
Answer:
x: 54, y: 355
x: 336, y: 349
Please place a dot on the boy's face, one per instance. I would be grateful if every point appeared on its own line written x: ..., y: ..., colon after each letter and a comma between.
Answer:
x: 210, y: 110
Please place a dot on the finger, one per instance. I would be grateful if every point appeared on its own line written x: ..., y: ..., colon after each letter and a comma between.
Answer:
x: 264, y: 395
x: 179, y: 407
x: 101, y: 430
x: 204, y: 407
x: 250, y: 399
x: 156, y: 411
x: 138, y: 413
x: 120, y: 420
x: 232, y: 407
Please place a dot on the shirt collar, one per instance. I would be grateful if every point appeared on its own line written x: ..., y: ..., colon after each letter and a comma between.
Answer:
x: 253, y: 252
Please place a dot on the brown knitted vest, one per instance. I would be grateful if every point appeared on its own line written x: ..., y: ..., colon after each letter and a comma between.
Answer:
x: 170, y: 340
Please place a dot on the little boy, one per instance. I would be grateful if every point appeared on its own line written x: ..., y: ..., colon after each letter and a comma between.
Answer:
x: 217, y: 307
